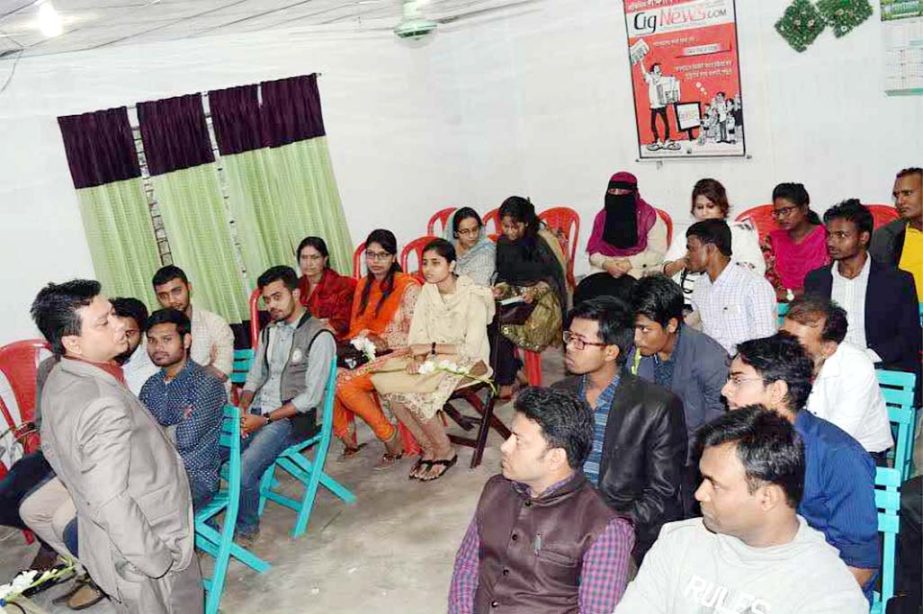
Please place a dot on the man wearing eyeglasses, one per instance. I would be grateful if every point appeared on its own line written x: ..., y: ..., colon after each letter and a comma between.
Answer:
x: 639, y: 443
x: 839, y: 481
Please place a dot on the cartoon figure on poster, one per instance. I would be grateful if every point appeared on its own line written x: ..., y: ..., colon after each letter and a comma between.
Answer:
x: 686, y: 85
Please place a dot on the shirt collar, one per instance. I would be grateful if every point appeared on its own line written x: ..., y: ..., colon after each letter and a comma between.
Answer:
x: 524, y: 490
x: 612, y: 385
x: 188, y: 369
x: 672, y: 358
x: 861, y: 277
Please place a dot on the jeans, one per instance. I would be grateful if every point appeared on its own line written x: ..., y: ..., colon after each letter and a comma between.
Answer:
x: 70, y: 537
x: 258, y: 452
x: 27, y: 474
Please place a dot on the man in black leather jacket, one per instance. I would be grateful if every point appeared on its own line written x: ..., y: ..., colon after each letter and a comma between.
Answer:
x: 639, y: 448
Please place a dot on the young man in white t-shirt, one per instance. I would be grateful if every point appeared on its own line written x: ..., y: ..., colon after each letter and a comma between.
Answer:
x: 750, y: 553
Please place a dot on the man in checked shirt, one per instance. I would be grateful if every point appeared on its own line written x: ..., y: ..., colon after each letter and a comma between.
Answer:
x: 542, y: 539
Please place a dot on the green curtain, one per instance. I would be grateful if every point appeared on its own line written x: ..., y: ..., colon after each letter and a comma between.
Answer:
x: 117, y: 224
x: 193, y: 215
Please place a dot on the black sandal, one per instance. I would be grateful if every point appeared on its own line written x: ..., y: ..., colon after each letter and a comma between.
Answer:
x: 448, y: 464
x: 417, y: 466
x: 350, y: 451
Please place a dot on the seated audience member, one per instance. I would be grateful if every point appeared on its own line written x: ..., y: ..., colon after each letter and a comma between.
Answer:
x: 213, y: 340
x: 732, y: 302
x: 449, y: 323
x: 136, y: 364
x: 839, y: 482
x: 112, y: 457
x: 639, y: 437
x: 603, y: 284
x: 628, y: 237
x: 284, y: 388
x: 908, y: 588
x: 750, y: 552
x: 845, y: 390
x: 477, y: 254
x: 797, y: 246
x: 542, y: 539
x: 681, y: 359
x: 185, y: 399
x: 530, y: 265
x: 880, y: 301
x: 710, y: 202
x: 326, y: 294
x: 382, y: 312
x: 900, y: 243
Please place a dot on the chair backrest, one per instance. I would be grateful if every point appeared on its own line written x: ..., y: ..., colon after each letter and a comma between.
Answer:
x: 781, y: 310
x: 882, y: 214
x: 897, y: 388
x: 242, y: 361
x: 888, y: 502
x: 230, y: 439
x: 440, y: 217
x: 565, y: 223
x: 415, y: 248
x: 669, y: 222
x: 761, y: 217
x: 19, y: 364
x: 492, y: 217
x: 357, y: 261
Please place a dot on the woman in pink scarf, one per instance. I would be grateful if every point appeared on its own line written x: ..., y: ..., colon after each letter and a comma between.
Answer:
x: 628, y: 236
x: 798, y: 246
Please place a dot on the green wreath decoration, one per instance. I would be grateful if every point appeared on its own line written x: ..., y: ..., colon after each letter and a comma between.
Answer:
x: 801, y: 24
x: 844, y: 15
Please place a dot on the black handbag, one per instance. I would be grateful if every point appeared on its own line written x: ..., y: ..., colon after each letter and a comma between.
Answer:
x: 515, y: 314
x: 349, y: 357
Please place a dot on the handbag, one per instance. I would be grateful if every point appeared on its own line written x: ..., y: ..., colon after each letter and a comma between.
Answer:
x: 348, y: 357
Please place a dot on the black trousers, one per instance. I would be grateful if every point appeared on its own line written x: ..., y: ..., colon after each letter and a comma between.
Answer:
x: 503, y: 357
x: 662, y: 112
x: 27, y: 474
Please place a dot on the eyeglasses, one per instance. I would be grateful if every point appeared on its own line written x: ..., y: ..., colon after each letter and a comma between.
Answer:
x: 579, y: 342
x: 783, y: 212
x: 470, y: 231
x: 377, y: 255
x: 736, y: 380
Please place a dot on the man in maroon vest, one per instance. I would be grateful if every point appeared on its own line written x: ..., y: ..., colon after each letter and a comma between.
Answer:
x: 542, y: 539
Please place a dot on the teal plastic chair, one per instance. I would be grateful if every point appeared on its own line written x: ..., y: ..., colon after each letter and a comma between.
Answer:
x: 219, y: 543
x: 897, y: 389
x: 888, y: 502
x: 781, y: 309
x: 242, y: 360
x: 309, y: 473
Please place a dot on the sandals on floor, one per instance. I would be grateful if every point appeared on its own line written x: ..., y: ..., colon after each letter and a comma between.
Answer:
x: 387, y: 461
x: 350, y: 451
x: 448, y: 464
x: 417, y: 466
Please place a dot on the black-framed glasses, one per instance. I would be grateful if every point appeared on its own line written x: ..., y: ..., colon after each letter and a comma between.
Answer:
x: 783, y: 212
x: 579, y: 342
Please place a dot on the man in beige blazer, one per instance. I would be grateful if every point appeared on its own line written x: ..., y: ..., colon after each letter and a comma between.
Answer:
x: 134, y: 511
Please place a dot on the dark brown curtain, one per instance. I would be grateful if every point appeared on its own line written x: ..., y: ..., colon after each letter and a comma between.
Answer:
x: 291, y: 110
x: 237, y: 119
x: 174, y: 134
x: 100, y: 147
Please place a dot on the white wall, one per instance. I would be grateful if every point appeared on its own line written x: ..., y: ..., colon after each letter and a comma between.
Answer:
x: 539, y: 105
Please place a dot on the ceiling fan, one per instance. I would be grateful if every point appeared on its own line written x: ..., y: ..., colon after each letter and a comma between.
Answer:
x: 415, y: 25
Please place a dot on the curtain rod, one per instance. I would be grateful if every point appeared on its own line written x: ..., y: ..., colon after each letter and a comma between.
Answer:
x: 132, y: 107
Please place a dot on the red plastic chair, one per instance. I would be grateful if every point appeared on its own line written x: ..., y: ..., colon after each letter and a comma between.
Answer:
x: 492, y: 217
x: 883, y: 214
x: 255, y: 297
x: 761, y: 217
x: 440, y: 217
x: 534, y: 368
x: 669, y: 222
x: 357, y: 260
x: 415, y: 247
x: 565, y: 222
x: 19, y: 364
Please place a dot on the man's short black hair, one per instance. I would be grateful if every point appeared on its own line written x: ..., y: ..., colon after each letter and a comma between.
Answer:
x: 913, y: 170
x: 169, y: 273
x: 808, y: 308
x: 170, y: 316
x: 128, y: 307
x: 781, y: 358
x: 712, y: 232
x: 767, y: 445
x: 285, y: 274
x: 658, y: 298
x: 852, y: 211
x: 54, y: 309
x: 567, y: 422
x: 616, y: 323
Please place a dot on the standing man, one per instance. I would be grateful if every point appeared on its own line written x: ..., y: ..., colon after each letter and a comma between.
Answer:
x: 212, y: 338
x: 900, y: 243
x: 639, y: 437
x: 679, y: 358
x: 542, y: 539
x: 127, y: 480
x: 186, y: 399
x: 732, y: 302
x: 657, y: 98
x: 284, y: 388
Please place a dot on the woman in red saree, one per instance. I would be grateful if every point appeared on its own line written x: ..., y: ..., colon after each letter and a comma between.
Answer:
x: 327, y: 294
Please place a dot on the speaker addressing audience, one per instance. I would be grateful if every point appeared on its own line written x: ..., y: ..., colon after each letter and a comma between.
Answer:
x: 880, y: 301
x: 839, y: 482
x: 845, y: 391
x: 900, y: 243
x: 732, y: 302
x: 213, y: 340
x: 639, y: 434
x: 126, y: 478
x: 750, y: 551
x: 542, y: 539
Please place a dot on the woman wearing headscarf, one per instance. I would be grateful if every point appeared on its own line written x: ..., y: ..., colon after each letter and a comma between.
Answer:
x: 628, y: 236
x: 477, y: 254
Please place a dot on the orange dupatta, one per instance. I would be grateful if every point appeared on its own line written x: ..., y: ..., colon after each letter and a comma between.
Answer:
x: 368, y: 319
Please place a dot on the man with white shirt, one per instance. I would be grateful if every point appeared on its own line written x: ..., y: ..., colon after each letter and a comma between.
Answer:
x: 732, y: 302
x: 750, y: 552
x: 845, y: 390
x: 212, y: 338
x: 136, y: 364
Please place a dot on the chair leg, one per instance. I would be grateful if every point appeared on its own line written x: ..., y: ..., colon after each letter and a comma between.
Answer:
x: 310, y: 492
x: 534, y: 368
x: 266, y: 484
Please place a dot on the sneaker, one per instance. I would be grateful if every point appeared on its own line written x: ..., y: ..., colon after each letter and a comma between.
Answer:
x: 654, y: 146
x: 247, y: 540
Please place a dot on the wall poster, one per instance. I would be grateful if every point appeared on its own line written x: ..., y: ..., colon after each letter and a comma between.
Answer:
x: 902, y: 46
x: 685, y: 75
